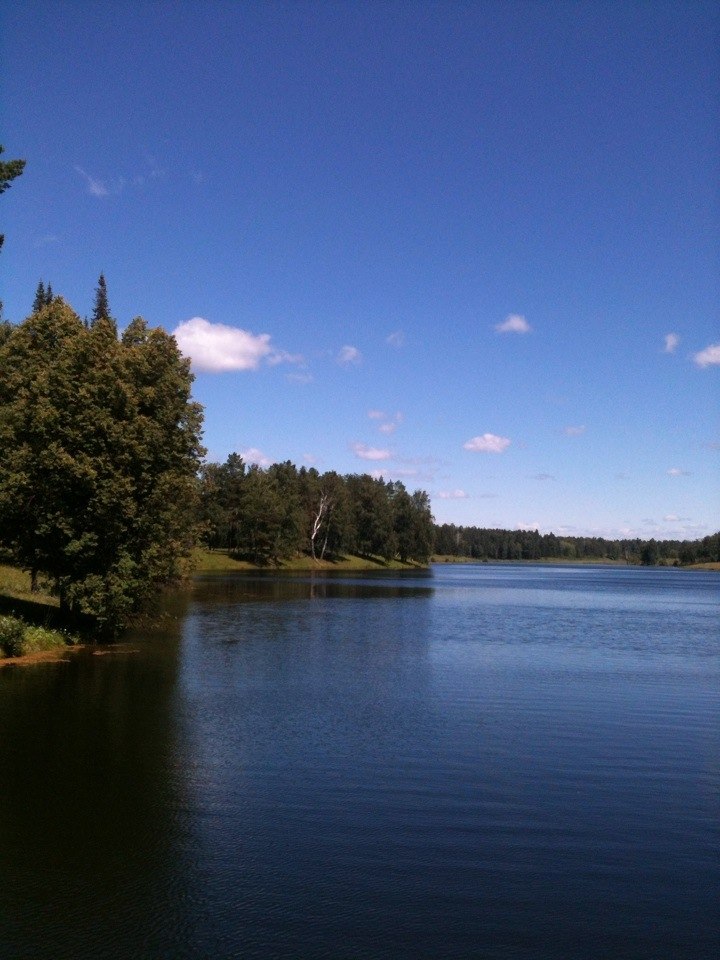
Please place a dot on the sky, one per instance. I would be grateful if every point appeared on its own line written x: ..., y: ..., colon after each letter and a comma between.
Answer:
x: 470, y: 246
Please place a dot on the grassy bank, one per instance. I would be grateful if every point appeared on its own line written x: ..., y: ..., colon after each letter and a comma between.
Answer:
x: 30, y: 627
x: 220, y: 561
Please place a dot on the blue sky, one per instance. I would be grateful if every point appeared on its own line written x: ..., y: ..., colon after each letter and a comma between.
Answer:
x: 472, y: 246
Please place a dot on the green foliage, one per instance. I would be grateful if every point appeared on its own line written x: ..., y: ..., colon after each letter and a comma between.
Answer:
x: 98, y: 486
x: 266, y: 516
x: 17, y: 639
x: 12, y: 632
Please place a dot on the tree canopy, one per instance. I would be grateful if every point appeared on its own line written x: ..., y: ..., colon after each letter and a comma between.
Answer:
x: 101, y: 443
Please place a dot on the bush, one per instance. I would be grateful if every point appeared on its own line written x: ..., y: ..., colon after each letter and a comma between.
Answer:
x: 12, y: 635
x: 38, y: 639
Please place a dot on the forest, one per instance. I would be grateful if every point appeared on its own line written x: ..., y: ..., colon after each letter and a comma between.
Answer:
x: 478, y: 543
x: 266, y: 515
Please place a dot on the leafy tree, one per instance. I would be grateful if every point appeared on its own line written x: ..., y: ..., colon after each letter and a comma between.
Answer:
x: 103, y: 446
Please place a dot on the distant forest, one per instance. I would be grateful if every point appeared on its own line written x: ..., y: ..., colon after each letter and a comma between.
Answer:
x: 478, y: 543
x: 270, y: 514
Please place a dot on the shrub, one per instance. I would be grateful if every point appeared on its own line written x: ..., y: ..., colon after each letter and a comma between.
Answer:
x: 12, y: 635
x: 38, y: 639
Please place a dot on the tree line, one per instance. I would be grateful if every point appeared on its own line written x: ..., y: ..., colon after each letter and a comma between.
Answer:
x: 479, y: 543
x: 267, y: 515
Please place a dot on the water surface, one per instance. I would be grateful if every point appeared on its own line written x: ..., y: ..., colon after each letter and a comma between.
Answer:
x: 482, y: 761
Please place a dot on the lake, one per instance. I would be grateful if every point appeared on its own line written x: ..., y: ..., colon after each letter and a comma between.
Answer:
x: 482, y: 761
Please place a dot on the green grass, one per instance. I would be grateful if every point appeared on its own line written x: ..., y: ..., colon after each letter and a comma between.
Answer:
x: 16, y: 583
x: 219, y: 561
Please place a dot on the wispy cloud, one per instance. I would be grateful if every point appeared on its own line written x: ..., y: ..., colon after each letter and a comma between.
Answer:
x: 487, y: 443
x: 677, y: 472
x: 253, y: 455
x: 398, y: 473
x: 370, y: 453
x: 96, y: 187
x: 349, y: 356
x: 671, y: 342
x: 575, y: 431
x: 391, y: 424
x: 377, y: 414
x: 217, y: 348
x: 396, y: 339
x: 709, y: 357
x: 299, y: 378
x: 513, y: 323
x: 452, y: 495
x: 542, y: 476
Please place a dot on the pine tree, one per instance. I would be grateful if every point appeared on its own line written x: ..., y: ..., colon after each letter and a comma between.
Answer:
x: 40, y: 298
x: 49, y: 296
x: 101, y: 309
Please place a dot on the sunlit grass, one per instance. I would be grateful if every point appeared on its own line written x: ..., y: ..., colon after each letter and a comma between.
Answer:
x: 16, y: 583
x: 220, y: 561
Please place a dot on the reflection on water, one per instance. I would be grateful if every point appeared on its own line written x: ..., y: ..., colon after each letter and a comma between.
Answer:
x: 486, y: 761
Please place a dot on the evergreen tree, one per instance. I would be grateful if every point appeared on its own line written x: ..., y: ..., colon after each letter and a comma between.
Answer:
x: 101, y: 308
x: 43, y: 297
x: 39, y: 302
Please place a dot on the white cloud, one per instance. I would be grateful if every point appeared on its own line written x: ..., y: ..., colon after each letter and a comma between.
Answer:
x: 349, y: 355
x: 396, y: 339
x: 709, y: 357
x: 677, y: 472
x: 95, y: 187
x: 513, y: 323
x: 218, y: 348
x: 370, y: 453
x: 487, y: 443
x: 253, y: 455
x: 671, y: 342
x: 377, y: 414
x: 575, y: 431
x: 452, y: 495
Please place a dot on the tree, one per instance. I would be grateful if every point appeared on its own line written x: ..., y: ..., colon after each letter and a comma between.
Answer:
x: 98, y: 485
x: 43, y: 297
x: 101, y: 307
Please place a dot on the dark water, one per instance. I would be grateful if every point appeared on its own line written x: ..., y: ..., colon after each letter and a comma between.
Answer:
x: 488, y: 761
